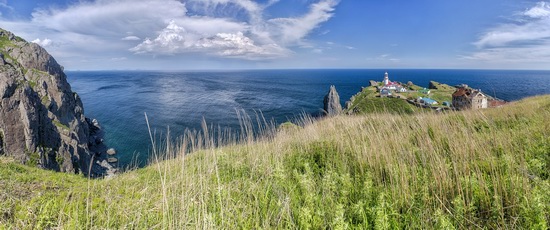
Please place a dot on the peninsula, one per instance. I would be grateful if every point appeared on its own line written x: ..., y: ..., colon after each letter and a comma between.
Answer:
x: 397, y: 97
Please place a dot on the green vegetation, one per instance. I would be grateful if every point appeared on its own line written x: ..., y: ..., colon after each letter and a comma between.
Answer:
x: 34, y: 157
x: 4, y: 41
x: 367, y: 101
x: 60, y: 125
x: 458, y: 170
x: 441, y: 86
x: 45, y: 100
x: 385, y: 105
x: 441, y: 93
x: 438, y: 95
x: 288, y: 126
x: 7, y: 56
x: 32, y: 84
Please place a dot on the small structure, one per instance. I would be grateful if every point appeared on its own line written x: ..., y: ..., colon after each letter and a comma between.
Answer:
x: 390, y: 84
x: 385, y: 92
x: 387, y: 86
x: 401, y: 89
x: 425, y: 91
x: 427, y: 101
x: 468, y: 98
x: 386, y: 80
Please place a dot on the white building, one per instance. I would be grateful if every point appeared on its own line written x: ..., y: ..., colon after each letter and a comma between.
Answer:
x: 389, y: 84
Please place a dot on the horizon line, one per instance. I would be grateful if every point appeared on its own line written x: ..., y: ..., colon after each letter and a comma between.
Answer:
x: 265, y: 69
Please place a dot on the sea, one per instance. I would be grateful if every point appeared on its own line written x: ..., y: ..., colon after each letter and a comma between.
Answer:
x: 181, y: 100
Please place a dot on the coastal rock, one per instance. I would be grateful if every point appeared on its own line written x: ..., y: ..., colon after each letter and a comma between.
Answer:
x: 42, y: 120
x: 112, y: 160
x: 331, y: 102
x: 432, y: 85
x: 111, y: 152
x: 373, y: 83
x: 440, y: 86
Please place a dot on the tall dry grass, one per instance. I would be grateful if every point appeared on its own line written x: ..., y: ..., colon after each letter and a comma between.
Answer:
x: 474, y: 169
x: 464, y: 169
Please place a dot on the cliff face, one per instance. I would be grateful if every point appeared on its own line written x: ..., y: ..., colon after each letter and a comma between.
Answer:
x: 42, y: 121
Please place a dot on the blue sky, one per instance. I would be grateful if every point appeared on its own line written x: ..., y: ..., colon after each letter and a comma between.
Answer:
x: 248, y: 34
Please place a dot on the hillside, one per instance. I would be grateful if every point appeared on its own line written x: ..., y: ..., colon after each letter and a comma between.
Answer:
x: 476, y: 169
x: 368, y: 100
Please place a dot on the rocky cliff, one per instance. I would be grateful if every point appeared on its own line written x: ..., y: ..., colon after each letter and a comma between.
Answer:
x: 331, y: 102
x: 42, y: 120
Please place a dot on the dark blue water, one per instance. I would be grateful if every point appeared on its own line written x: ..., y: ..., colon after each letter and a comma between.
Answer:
x: 180, y: 100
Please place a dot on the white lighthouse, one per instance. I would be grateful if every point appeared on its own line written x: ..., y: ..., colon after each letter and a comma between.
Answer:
x: 386, y: 79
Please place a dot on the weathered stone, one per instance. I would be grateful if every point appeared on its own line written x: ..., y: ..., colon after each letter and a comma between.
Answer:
x: 432, y: 85
x: 331, y: 102
x: 40, y: 117
x: 111, y: 152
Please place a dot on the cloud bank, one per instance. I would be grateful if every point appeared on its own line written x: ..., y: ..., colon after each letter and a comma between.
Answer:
x: 238, y: 29
x: 526, y: 40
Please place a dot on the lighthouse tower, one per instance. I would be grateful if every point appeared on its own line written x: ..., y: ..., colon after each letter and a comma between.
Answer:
x: 386, y: 79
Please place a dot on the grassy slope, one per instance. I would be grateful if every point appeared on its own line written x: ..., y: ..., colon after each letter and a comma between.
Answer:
x: 486, y: 168
x: 366, y: 102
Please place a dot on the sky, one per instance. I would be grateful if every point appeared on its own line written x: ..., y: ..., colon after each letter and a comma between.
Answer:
x: 280, y: 34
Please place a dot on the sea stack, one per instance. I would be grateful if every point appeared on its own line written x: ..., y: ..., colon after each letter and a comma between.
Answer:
x: 331, y: 102
x: 42, y: 120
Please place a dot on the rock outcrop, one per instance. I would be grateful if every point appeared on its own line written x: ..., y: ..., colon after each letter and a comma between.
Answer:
x: 42, y: 120
x: 432, y: 85
x: 440, y: 86
x: 331, y: 102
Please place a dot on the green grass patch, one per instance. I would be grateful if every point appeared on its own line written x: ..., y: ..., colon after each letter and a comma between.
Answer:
x: 384, y: 105
x: 60, y: 125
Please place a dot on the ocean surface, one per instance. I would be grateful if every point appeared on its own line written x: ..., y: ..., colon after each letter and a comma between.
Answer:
x: 180, y: 100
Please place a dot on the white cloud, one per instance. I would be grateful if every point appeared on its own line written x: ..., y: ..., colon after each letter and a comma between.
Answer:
x: 171, y: 40
x: 292, y: 30
x: 255, y: 38
x: 175, y: 39
x: 317, y: 51
x: 131, y: 38
x: 119, y: 59
x: 527, y: 40
x: 333, y: 44
x: 383, y: 58
x: 89, y: 29
x: 101, y: 29
x: 541, y: 10
x: 110, y: 17
x: 240, y: 46
x: 44, y: 43
x: 4, y: 4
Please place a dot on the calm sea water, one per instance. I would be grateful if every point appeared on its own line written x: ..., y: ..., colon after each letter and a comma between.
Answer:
x: 180, y: 100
